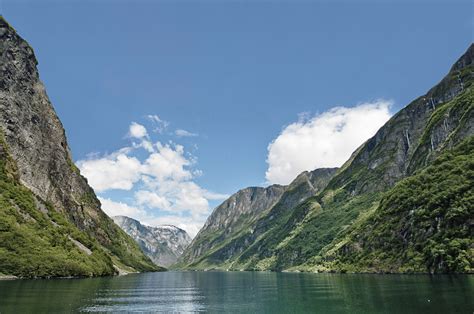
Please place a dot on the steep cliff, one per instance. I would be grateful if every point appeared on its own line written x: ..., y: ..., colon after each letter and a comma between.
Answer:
x: 316, y: 233
x: 46, y: 200
x: 162, y: 244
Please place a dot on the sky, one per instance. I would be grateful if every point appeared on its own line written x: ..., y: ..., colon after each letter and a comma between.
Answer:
x: 171, y: 106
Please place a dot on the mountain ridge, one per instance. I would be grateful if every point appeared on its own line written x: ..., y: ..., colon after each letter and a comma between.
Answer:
x: 301, y: 187
x: 298, y: 238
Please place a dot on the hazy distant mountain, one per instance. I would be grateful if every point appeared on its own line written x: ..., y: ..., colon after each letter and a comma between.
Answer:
x: 163, y: 244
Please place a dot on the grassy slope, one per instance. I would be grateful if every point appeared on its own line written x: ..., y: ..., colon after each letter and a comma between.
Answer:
x: 423, y: 224
x: 35, y: 238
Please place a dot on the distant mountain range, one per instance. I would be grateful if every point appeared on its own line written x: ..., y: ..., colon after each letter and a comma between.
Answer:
x: 162, y: 244
x: 403, y: 202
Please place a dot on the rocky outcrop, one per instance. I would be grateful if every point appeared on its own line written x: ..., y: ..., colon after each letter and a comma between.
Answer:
x: 37, y: 143
x: 162, y: 244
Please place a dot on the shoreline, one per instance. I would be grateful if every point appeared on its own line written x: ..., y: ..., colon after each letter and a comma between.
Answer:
x: 12, y: 277
x: 8, y: 277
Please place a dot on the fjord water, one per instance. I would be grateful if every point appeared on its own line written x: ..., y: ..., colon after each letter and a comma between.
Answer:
x: 249, y: 292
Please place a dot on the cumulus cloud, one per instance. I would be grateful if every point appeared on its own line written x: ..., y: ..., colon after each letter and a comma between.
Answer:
x: 113, y: 208
x: 325, y: 140
x: 152, y: 200
x: 159, y: 178
x: 168, y: 163
x: 181, y: 195
x: 184, y: 133
x: 137, y: 130
x: 115, y: 171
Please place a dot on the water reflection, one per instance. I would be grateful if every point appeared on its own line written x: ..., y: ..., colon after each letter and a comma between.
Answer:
x: 241, y: 292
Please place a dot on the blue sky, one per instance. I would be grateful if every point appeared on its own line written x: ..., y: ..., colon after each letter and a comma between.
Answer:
x: 237, y: 76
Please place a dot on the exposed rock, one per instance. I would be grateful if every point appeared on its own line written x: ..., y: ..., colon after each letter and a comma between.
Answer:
x: 162, y: 244
x: 37, y: 145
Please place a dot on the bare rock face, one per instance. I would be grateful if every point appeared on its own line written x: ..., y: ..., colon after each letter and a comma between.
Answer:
x: 36, y: 141
x: 162, y: 244
x: 252, y: 200
x: 35, y: 136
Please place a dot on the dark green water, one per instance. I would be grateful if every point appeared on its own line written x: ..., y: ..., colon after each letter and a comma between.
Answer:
x: 245, y: 292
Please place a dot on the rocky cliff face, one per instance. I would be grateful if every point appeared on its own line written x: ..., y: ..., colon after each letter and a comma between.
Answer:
x: 36, y: 142
x: 232, y: 226
x: 413, y: 137
x: 316, y: 232
x: 162, y: 244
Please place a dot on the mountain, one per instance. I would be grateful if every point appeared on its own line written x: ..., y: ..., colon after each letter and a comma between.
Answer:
x: 233, y: 225
x: 358, y: 221
x: 51, y: 222
x: 423, y: 224
x: 162, y: 244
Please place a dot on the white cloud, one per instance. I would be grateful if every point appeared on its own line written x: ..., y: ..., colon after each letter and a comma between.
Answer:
x: 137, y: 130
x: 115, y: 171
x: 161, y: 182
x: 183, y: 196
x: 168, y: 163
x: 184, y: 133
x: 326, y: 140
x: 145, y: 144
x: 152, y: 200
x: 113, y: 208
x: 160, y: 124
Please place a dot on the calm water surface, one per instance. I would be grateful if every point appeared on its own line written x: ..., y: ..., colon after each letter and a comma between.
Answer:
x: 247, y: 292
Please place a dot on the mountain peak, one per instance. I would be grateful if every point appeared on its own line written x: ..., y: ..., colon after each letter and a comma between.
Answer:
x: 465, y: 60
x: 163, y: 244
x: 4, y: 23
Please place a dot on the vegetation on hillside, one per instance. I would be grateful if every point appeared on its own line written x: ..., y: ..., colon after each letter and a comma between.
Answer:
x: 423, y: 224
x: 38, y: 241
x: 381, y: 212
x: 35, y: 239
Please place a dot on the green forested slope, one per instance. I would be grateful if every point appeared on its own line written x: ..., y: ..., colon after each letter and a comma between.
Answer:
x: 423, y: 224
